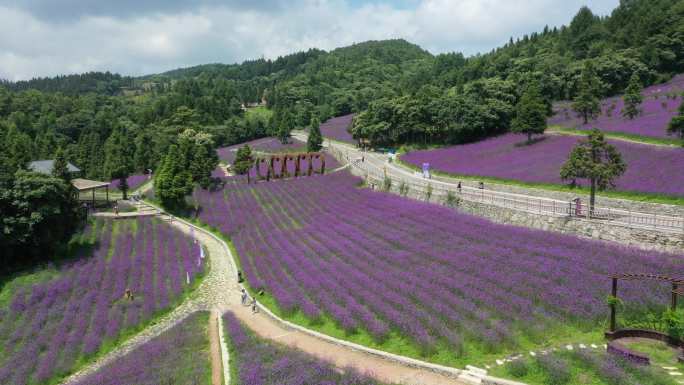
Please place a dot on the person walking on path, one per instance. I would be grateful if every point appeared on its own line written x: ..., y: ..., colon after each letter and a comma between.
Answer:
x: 116, y: 209
x: 243, y: 299
x: 254, y: 305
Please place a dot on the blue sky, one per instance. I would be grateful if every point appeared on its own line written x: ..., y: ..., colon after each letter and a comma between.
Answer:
x: 134, y: 37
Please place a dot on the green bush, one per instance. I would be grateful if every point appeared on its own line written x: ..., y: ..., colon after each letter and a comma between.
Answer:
x: 517, y: 368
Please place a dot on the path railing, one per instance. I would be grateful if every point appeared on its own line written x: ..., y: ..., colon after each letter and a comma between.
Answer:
x: 376, y: 174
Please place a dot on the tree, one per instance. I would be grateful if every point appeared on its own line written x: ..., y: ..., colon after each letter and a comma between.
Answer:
x: 315, y: 141
x: 173, y: 182
x: 243, y: 160
x: 632, y: 98
x: 60, y: 168
x: 586, y: 103
x: 39, y: 212
x: 595, y: 159
x: 676, y: 125
x: 530, y: 114
x: 285, y: 127
x: 122, y: 175
x: 118, y: 154
x: 199, y: 154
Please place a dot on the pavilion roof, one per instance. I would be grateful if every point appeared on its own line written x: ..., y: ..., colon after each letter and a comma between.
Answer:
x: 86, y: 184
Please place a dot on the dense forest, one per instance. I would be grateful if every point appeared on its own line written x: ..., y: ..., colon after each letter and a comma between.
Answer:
x: 109, y: 125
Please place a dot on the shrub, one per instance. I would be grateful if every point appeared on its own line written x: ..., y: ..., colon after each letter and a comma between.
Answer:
x: 387, y: 184
x: 403, y: 188
x: 517, y: 368
x: 556, y: 369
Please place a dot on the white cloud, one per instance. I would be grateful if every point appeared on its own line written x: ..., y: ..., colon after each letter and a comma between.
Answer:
x: 157, y: 41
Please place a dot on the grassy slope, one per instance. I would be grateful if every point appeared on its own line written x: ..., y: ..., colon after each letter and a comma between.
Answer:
x: 620, y: 136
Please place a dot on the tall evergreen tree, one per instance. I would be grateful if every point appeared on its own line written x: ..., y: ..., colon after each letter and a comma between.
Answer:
x: 314, y: 142
x: 530, y: 116
x: 586, y: 103
x: 286, y: 125
x: 632, y: 98
x: 676, y: 125
x: 594, y: 159
x: 173, y: 182
x: 243, y: 160
x: 60, y: 168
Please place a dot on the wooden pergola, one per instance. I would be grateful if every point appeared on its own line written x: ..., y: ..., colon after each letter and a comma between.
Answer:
x: 85, y: 185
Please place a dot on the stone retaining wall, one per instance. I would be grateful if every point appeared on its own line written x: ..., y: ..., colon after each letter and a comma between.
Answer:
x: 595, y: 229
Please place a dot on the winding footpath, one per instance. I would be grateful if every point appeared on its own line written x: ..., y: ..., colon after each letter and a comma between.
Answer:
x: 219, y: 292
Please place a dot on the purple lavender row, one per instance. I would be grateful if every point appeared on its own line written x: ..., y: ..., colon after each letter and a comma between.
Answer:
x: 51, y: 326
x: 650, y: 169
x: 262, y: 363
x: 338, y: 128
x: 379, y: 262
x: 659, y: 106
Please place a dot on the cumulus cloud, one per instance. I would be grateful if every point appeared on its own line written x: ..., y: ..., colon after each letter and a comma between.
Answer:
x: 37, y: 39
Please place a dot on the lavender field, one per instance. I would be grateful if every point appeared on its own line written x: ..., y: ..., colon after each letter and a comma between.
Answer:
x: 269, y: 145
x: 133, y: 181
x: 442, y: 282
x: 267, y: 363
x: 659, y: 106
x: 650, y: 169
x: 338, y: 128
x: 584, y: 366
x: 53, y: 320
x: 178, y: 356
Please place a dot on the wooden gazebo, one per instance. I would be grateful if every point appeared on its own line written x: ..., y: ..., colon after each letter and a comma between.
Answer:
x: 85, y: 185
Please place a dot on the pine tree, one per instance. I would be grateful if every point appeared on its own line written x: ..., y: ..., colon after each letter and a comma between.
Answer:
x: 632, y: 98
x: 173, y: 182
x: 315, y: 141
x: 60, y: 168
x: 530, y: 116
x: 286, y: 125
x: 676, y: 125
x: 243, y: 160
x: 586, y: 103
x: 594, y: 159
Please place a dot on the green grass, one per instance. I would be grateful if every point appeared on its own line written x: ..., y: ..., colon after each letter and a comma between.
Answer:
x: 674, y: 142
x: 628, y: 195
x: 529, y: 371
x: 261, y: 113
x: 659, y: 352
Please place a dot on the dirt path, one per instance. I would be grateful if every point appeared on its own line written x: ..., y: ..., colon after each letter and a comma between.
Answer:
x: 215, y: 350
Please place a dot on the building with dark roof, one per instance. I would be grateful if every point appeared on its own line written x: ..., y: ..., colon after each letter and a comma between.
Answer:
x: 46, y: 166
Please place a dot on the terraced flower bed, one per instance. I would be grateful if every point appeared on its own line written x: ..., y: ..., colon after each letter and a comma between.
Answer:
x: 582, y: 366
x: 269, y: 145
x: 256, y: 361
x: 178, y: 356
x: 650, y: 169
x: 659, y: 106
x: 338, y: 128
x: 57, y: 318
x: 133, y: 181
x: 419, y: 279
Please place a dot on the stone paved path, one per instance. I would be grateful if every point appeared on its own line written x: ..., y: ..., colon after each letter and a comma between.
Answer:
x: 219, y: 291
x: 215, y: 350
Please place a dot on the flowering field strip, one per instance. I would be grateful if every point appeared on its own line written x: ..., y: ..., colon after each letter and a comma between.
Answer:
x: 650, y: 169
x: 582, y: 366
x: 659, y: 106
x: 178, y: 356
x: 338, y: 128
x: 387, y: 266
x: 269, y: 145
x: 50, y: 327
x: 265, y: 363
x: 134, y: 181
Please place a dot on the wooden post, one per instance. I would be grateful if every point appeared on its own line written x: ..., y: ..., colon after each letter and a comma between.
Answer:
x: 257, y: 164
x: 93, y: 190
x: 322, y: 164
x: 297, y: 159
x: 613, y: 306
x: 310, y: 166
x: 107, y: 193
x: 674, y: 296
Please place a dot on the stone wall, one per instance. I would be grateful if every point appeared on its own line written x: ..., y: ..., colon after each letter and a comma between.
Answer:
x: 594, y: 229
